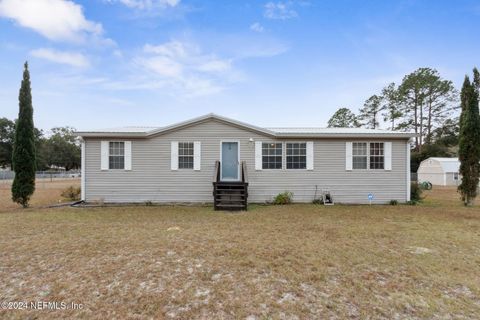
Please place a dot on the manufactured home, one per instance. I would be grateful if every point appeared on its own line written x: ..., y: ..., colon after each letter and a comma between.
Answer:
x: 213, y: 159
x: 440, y: 171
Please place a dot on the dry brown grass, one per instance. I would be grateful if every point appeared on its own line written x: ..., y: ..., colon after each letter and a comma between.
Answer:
x: 46, y: 193
x: 299, y: 261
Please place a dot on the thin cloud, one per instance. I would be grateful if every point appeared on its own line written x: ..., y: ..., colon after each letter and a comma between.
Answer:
x: 184, y: 66
x: 74, y: 59
x: 280, y: 10
x: 57, y: 20
x: 146, y: 4
x: 257, y: 27
x: 184, y: 69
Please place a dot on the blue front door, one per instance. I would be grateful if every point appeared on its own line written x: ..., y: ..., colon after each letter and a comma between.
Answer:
x: 229, y: 161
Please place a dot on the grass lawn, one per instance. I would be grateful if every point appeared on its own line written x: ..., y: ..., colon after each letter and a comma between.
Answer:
x: 298, y: 261
x: 46, y: 192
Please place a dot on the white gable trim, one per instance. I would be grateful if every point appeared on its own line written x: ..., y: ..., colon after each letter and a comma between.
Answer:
x: 211, y: 116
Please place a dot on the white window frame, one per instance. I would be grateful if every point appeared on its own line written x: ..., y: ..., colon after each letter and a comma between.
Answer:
x: 282, y: 155
x: 124, y: 155
x: 306, y: 156
x: 193, y: 155
x: 368, y: 156
x: 384, y: 155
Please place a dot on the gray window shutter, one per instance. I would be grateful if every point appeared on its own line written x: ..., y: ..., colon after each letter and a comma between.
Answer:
x: 197, y: 155
x: 258, y: 155
x: 104, y: 153
x: 128, y: 155
x: 387, y: 148
x: 348, y: 156
x: 310, y: 155
x: 174, y: 155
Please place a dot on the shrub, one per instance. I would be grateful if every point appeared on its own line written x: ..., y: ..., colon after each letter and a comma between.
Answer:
x: 412, y: 203
x: 283, y: 198
x: 393, y: 202
x: 415, y: 192
x: 72, y: 193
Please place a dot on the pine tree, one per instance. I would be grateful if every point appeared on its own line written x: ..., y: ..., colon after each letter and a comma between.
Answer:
x: 439, y: 97
x: 370, y: 112
x: 343, y: 118
x: 427, y: 101
x: 412, y: 90
x: 469, y: 146
x: 23, y: 159
x: 392, y: 105
x: 476, y: 79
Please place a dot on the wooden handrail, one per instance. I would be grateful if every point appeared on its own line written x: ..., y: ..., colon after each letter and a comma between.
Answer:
x: 244, y: 172
x: 216, y: 173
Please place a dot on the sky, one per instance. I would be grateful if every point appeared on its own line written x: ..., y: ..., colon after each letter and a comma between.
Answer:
x: 110, y: 63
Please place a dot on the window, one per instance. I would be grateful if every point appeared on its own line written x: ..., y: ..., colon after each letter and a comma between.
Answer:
x: 271, y: 155
x: 116, y: 158
x: 359, y: 155
x: 185, y: 155
x: 455, y: 176
x: 377, y: 158
x: 368, y: 155
x: 297, y: 155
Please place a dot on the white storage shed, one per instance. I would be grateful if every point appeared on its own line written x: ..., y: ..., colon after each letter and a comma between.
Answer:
x: 440, y: 171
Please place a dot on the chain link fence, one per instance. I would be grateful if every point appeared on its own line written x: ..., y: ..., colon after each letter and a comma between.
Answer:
x: 52, y: 175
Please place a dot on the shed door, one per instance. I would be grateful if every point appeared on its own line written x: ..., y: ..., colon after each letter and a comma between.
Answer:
x: 229, y: 163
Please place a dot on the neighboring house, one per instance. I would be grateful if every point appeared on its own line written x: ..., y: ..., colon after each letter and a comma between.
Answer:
x: 440, y: 171
x: 189, y: 161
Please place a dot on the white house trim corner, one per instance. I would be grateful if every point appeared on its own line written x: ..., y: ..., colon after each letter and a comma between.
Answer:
x: 82, y: 172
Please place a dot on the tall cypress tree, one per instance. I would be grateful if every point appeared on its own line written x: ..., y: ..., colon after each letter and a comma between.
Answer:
x: 469, y: 142
x: 23, y: 159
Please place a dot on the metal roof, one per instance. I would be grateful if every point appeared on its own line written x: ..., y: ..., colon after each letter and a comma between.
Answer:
x: 447, y: 164
x: 133, y: 131
x: 129, y: 129
x: 323, y: 130
x: 319, y: 130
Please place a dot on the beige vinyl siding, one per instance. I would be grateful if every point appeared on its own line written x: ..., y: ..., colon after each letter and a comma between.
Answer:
x: 151, y: 177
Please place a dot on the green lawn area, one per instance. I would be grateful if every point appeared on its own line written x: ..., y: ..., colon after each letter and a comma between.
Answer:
x: 298, y: 261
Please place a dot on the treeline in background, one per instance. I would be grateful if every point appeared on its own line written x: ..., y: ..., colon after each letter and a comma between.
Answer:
x: 424, y: 102
x: 59, y: 149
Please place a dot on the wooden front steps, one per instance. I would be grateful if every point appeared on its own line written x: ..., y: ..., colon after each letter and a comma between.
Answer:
x: 230, y: 195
